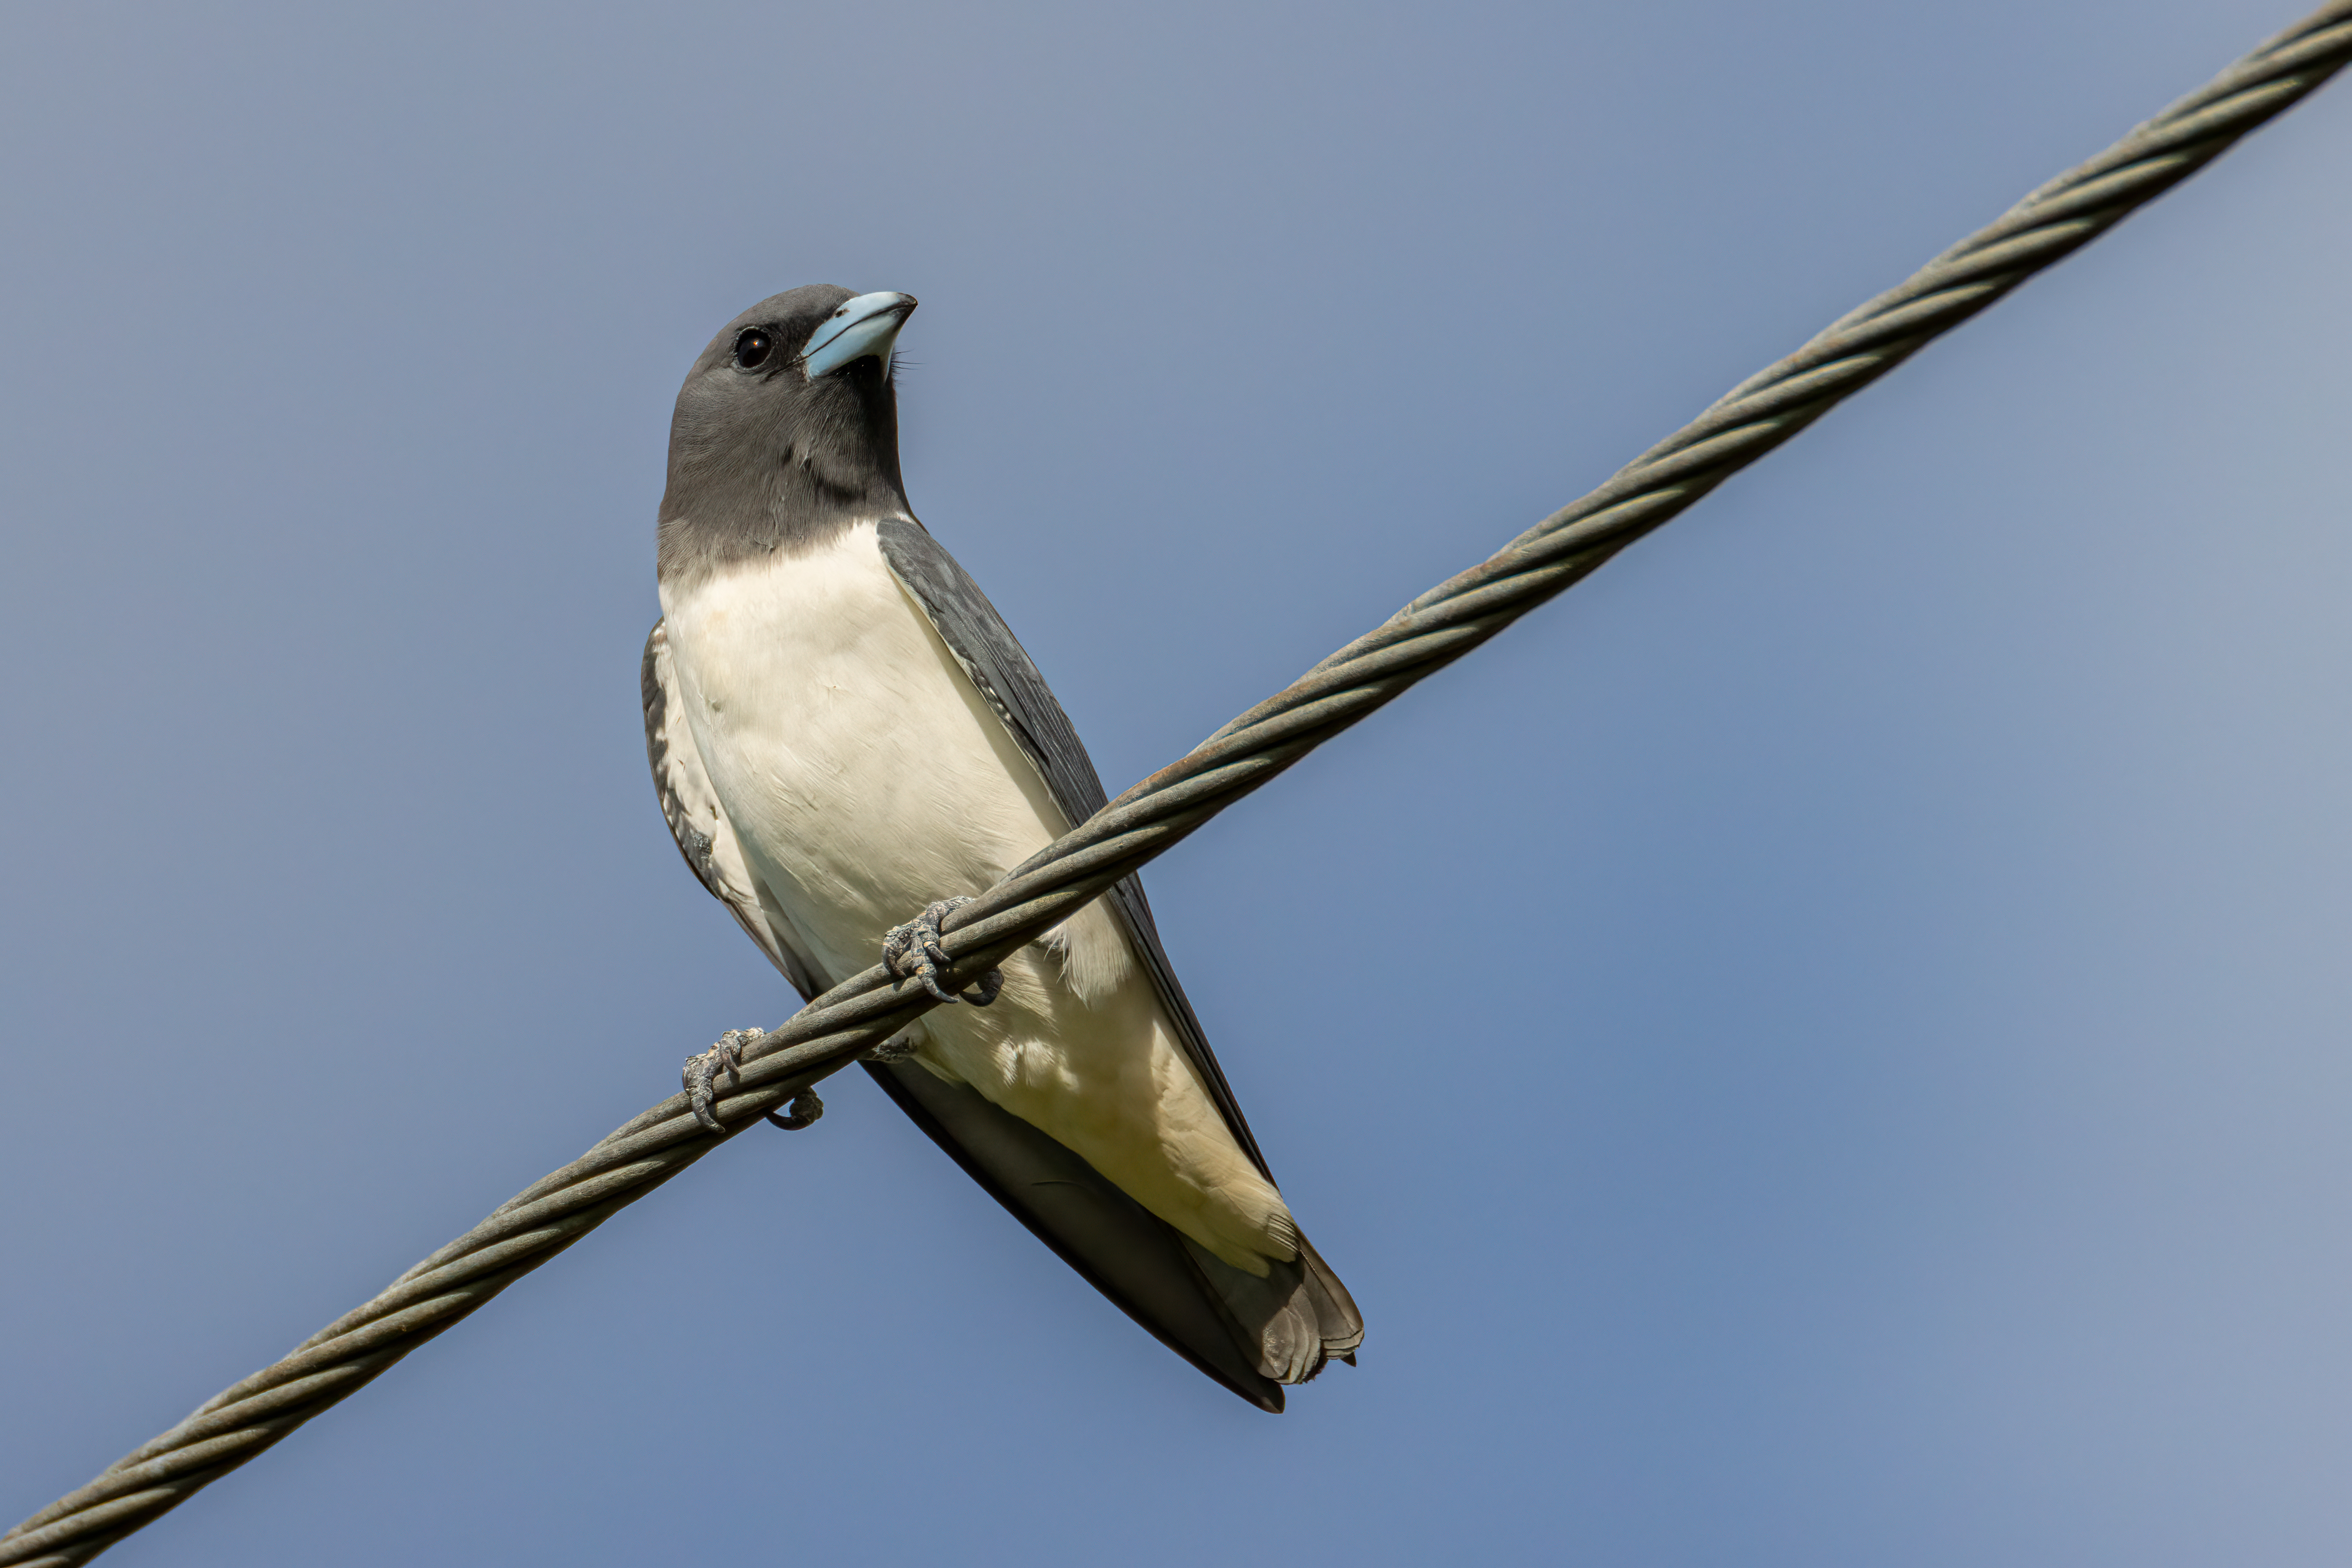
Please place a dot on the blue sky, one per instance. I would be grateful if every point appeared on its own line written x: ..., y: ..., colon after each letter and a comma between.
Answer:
x: 1828, y: 1046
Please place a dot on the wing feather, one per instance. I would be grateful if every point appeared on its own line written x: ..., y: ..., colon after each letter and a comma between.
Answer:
x: 1006, y: 675
x: 705, y: 837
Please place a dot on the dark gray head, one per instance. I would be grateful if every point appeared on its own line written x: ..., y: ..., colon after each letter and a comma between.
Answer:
x: 786, y: 430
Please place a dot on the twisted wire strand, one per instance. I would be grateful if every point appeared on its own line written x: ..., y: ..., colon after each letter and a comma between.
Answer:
x: 1430, y: 632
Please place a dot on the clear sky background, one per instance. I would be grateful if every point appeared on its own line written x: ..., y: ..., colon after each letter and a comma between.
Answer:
x: 1830, y: 1045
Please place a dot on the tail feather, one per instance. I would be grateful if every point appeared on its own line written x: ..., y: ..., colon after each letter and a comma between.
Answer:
x: 1294, y: 1320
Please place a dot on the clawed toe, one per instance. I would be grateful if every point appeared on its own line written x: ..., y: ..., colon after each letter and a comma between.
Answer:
x: 913, y: 950
x: 700, y: 1075
x: 804, y: 1109
x: 701, y: 1079
x: 909, y: 951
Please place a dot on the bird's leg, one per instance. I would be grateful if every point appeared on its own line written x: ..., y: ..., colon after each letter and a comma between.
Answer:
x: 913, y: 949
x: 701, y: 1076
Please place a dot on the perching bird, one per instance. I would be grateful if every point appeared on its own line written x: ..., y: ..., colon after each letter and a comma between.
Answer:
x: 844, y: 732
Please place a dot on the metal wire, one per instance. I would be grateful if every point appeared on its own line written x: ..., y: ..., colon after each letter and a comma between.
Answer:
x: 1430, y: 632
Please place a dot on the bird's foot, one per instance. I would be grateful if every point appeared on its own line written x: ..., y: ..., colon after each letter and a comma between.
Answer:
x: 913, y: 949
x: 701, y: 1077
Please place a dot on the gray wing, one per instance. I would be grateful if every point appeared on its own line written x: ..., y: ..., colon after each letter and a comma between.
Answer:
x: 1155, y: 1276
x: 1006, y: 676
x: 703, y: 835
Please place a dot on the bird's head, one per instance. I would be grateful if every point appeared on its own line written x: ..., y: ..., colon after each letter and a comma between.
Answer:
x: 787, y: 428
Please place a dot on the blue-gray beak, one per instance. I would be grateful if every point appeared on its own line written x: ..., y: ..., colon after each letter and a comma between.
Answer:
x: 866, y: 325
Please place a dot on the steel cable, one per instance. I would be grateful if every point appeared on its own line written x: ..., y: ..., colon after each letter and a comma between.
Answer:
x: 1430, y: 632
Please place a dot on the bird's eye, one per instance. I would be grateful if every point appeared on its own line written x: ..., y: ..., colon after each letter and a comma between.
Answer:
x: 751, y: 348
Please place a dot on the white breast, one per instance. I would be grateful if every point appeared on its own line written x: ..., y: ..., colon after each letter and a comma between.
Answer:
x: 865, y: 775
x: 862, y: 770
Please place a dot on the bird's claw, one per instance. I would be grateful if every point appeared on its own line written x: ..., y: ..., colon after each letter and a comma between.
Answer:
x: 700, y: 1075
x: 804, y: 1109
x: 701, y: 1079
x: 914, y: 948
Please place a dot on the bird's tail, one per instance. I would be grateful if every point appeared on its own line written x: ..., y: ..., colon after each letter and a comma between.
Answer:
x: 1297, y: 1319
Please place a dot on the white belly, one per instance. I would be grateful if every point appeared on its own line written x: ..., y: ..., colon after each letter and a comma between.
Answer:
x: 864, y: 776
